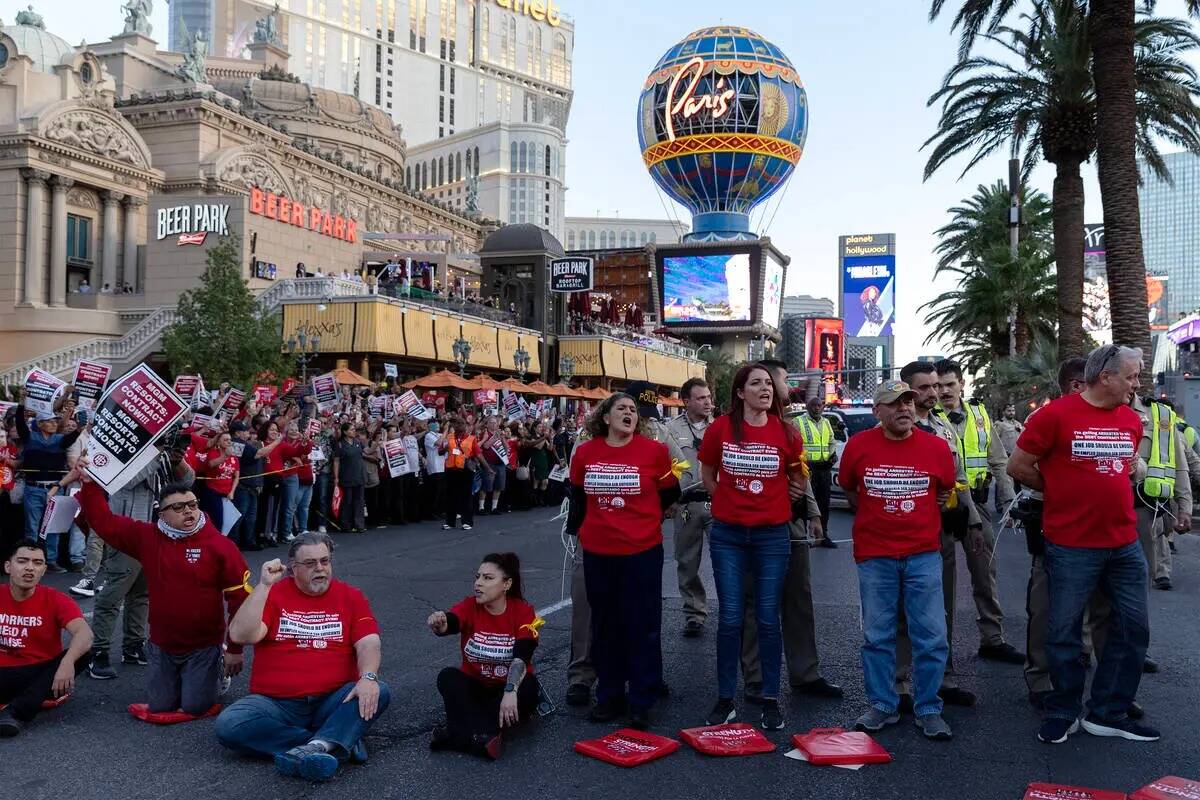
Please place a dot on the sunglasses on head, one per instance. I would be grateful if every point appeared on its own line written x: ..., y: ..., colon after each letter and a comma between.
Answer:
x: 181, y: 506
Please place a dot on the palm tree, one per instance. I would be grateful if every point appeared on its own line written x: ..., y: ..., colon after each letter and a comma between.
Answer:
x: 1025, y: 380
x: 979, y: 223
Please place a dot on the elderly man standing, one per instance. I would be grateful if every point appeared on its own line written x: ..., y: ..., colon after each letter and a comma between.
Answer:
x: 316, y: 649
x: 1085, y: 445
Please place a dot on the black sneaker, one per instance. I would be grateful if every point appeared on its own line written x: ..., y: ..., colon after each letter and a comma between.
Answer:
x: 1004, y: 652
x: 1163, y: 583
x: 1135, y: 711
x: 772, y: 717
x: 1056, y: 731
x: 85, y: 588
x: 608, y: 710
x: 100, y: 669
x: 724, y: 711
x: 693, y: 628
x: 818, y: 688
x: 956, y: 697
x: 1121, y: 728
x: 9, y: 725
x: 1149, y: 666
x: 639, y: 718
x: 134, y: 655
x: 579, y: 694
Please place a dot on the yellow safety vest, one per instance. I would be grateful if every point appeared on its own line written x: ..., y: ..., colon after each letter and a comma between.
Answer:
x: 1189, y: 434
x: 974, y: 442
x: 1160, y: 469
x: 818, y: 438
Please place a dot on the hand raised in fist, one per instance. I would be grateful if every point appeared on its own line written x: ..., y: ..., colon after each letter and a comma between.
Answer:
x: 272, y: 572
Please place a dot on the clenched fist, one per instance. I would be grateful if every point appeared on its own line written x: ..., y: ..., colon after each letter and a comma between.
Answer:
x: 272, y: 572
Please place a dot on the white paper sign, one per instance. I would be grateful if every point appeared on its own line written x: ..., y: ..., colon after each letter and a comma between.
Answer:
x: 229, y: 516
x: 390, y: 371
x: 41, y: 389
x: 59, y: 516
x: 397, y: 458
x: 411, y: 405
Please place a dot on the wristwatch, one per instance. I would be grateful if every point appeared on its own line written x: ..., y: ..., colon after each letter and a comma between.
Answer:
x: 371, y: 676
x: 508, y: 687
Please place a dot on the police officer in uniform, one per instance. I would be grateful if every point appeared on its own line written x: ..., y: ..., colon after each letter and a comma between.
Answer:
x: 1163, y: 501
x: 985, y: 460
x: 693, y: 513
x: 820, y: 455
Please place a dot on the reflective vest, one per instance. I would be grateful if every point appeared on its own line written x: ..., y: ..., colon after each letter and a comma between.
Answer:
x: 1189, y: 433
x: 458, y: 452
x: 818, y: 438
x: 974, y: 442
x: 1160, y: 468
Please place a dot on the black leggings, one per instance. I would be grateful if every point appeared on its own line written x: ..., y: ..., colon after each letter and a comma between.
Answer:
x: 24, y: 688
x: 473, y: 707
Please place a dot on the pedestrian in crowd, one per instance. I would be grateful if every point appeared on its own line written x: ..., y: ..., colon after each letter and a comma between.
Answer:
x: 621, y: 482
x: 372, y: 456
x: 350, y: 475
x: 271, y: 501
x: 193, y: 576
x: 820, y: 455
x: 540, y: 459
x: 249, y: 486
x: 434, y: 494
x: 896, y: 478
x: 293, y: 455
x: 314, y: 685
x: 751, y: 464
x: 494, y: 688
x: 1008, y: 428
x: 34, y: 667
x: 495, y: 472
x: 221, y: 472
x: 1085, y: 446
x: 410, y: 483
x: 463, y: 459
x: 44, y: 462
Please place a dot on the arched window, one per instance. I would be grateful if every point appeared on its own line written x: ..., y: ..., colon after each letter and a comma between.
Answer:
x: 476, y: 160
x: 441, y: 178
x: 408, y: 177
x: 537, y: 55
x: 643, y: 237
x: 653, y: 237
x: 558, y: 60
x: 591, y: 239
x: 570, y: 240
x: 469, y: 161
x: 458, y: 173
x: 612, y: 238
x: 523, y: 159
x: 512, y: 157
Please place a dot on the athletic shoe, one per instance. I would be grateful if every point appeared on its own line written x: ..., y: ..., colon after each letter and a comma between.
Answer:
x: 579, y: 694
x: 693, y: 628
x: 1149, y: 666
x: 100, y: 669
x: 1056, y: 731
x: 608, y: 710
x: 818, y: 687
x: 1135, y: 711
x: 85, y: 588
x: 309, y: 761
x: 321, y: 529
x: 772, y: 717
x: 875, y: 720
x: 724, y: 711
x: 223, y: 685
x: 1120, y: 728
x: 289, y: 538
x: 134, y: 655
x: 956, y: 697
x: 359, y: 754
x: 467, y: 527
x: 934, y: 727
x: 1163, y: 583
x: 447, y: 527
x: 1004, y: 652
x: 9, y: 725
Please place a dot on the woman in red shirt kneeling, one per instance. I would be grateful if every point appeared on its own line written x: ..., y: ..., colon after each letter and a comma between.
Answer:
x: 620, y: 483
x: 494, y: 688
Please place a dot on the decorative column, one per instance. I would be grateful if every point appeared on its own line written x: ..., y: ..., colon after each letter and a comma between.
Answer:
x: 58, y: 240
x: 108, y: 268
x: 35, y: 269
x: 129, y: 266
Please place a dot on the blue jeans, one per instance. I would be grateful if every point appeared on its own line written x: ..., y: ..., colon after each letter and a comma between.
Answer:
x: 258, y: 725
x: 882, y: 584
x: 765, y: 552
x: 35, y: 508
x: 246, y: 501
x: 304, y: 494
x: 1074, y: 573
x: 290, y: 493
x: 77, y: 545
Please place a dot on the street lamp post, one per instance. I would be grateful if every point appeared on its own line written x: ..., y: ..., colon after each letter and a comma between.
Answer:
x: 304, y: 350
x: 566, y: 369
x: 522, y: 361
x: 462, y: 354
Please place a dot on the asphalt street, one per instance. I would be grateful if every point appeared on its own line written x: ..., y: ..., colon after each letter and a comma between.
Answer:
x: 92, y: 748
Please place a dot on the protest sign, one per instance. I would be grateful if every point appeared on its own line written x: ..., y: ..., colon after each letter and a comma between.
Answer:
x: 229, y: 516
x: 484, y: 396
x: 137, y: 409
x: 410, y: 405
x: 390, y: 371
x: 264, y: 395
x: 203, y: 423
x: 377, y: 404
x: 236, y: 448
x: 559, y: 473
x: 89, y: 380
x: 233, y: 400
x: 41, y: 388
x: 290, y: 388
x: 397, y: 460
x: 4, y: 407
x: 313, y: 429
x: 434, y: 399
x: 59, y: 515
x: 499, y: 448
x: 188, y: 386
x: 512, y: 406
x: 325, y: 391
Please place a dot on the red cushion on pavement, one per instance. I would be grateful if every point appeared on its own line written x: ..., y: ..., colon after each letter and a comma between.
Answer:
x: 142, y: 711
x: 47, y: 704
x: 1168, y: 788
x: 731, y: 739
x: 1058, y: 791
x: 627, y: 747
x: 839, y: 746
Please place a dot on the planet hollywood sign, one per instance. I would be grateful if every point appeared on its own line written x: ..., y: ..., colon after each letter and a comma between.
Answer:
x: 291, y: 212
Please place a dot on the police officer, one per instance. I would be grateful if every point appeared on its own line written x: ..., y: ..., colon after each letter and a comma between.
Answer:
x: 1008, y: 429
x: 820, y: 455
x: 693, y: 513
x: 1163, y: 501
x: 985, y: 460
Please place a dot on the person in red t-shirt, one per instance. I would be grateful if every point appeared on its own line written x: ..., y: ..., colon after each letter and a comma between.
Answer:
x: 1079, y: 451
x: 294, y: 456
x: 621, y: 481
x: 219, y: 478
x: 495, y: 687
x: 752, y: 466
x: 316, y: 648
x: 33, y: 664
x: 896, y: 478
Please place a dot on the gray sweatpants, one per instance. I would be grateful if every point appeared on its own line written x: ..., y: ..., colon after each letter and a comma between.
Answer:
x: 185, y: 682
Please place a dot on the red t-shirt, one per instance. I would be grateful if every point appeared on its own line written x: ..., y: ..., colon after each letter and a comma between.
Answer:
x: 221, y: 472
x: 752, y: 481
x: 309, y: 646
x: 897, y: 484
x: 31, y: 631
x: 197, y: 453
x: 1085, y: 455
x: 624, y: 514
x: 488, y: 640
x: 294, y: 456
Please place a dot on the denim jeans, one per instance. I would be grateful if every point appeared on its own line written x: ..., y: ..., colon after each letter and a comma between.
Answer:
x: 763, y: 552
x: 290, y: 492
x: 246, y: 501
x: 883, y: 583
x: 1074, y: 574
x: 258, y: 725
x: 77, y: 545
x: 35, y: 508
x: 304, y: 492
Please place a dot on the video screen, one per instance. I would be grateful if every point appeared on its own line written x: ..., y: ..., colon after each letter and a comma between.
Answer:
x: 707, y: 289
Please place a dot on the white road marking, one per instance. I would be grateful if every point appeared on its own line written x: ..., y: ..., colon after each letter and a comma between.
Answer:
x: 559, y: 606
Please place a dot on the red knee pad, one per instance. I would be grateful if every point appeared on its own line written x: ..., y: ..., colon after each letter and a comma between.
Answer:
x: 142, y: 711
x: 827, y: 746
x: 1058, y: 791
x: 627, y: 747
x: 1168, y: 788
x: 731, y: 739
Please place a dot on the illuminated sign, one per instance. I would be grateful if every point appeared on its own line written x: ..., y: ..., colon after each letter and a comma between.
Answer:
x: 291, y: 212
x: 571, y: 275
x: 541, y: 10
x: 688, y: 103
x: 192, y: 223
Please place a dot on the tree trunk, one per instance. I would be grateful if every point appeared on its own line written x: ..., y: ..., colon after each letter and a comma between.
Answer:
x: 1068, y: 256
x: 1110, y: 27
x: 1022, y: 333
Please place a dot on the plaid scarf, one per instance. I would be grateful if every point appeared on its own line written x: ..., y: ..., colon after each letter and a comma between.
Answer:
x: 176, y: 533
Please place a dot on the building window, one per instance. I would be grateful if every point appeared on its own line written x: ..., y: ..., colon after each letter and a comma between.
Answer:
x: 476, y: 160
x: 559, y: 72
x: 458, y: 167
x: 591, y: 237
x: 512, y: 156
x: 547, y: 167
x: 653, y: 237
x: 451, y: 110
x: 452, y: 80
x: 79, y: 239
x: 643, y: 237
x: 469, y: 161
x: 523, y: 160
x: 441, y: 109
x: 441, y: 77
x: 570, y: 240
x: 441, y: 172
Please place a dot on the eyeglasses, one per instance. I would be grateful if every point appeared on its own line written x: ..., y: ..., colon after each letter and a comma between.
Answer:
x: 188, y: 505
x: 312, y: 563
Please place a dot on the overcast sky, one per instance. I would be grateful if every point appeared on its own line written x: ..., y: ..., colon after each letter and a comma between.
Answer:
x: 868, y: 67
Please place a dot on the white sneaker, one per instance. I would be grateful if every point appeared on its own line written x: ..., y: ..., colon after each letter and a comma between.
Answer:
x: 466, y: 527
x: 321, y: 529
x: 223, y: 685
x: 291, y: 537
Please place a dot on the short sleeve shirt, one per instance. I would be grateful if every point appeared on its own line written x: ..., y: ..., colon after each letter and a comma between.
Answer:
x: 752, y: 474
x: 31, y: 630
x: 624, y: 513
x: 488, y: 640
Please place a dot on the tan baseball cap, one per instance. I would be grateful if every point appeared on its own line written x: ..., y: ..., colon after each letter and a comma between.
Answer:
x: 889, y: 392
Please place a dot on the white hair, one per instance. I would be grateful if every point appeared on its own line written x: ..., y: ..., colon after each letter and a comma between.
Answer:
x: 1107, y: 359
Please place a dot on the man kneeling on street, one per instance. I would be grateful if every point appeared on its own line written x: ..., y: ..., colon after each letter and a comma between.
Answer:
x: 33, y: 665
x: 192, y: 574
x: 316, y: 649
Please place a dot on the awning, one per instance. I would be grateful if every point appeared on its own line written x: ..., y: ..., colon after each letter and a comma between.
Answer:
x: 445, y: 379
x: 348, y: 377
x: 514, y: 385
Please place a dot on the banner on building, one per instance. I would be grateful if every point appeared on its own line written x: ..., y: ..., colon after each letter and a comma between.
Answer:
x: 90, y: 379
x: 41, y: 390
x: 131, y: 416
x: 325, y: 391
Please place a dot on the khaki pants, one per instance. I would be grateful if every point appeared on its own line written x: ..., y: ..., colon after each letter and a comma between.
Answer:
x: 1162, y: 553
x: 580, y: 669
x: 982, y: 567
x: 692, y: 522
x: 799, y: 622
x: 124, y: 584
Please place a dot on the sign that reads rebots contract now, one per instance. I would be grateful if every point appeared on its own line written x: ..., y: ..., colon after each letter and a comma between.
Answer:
x: 131, y: 416
x: 571, y: 274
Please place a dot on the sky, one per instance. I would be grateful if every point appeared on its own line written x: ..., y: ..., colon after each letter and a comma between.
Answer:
x: 868, y: 67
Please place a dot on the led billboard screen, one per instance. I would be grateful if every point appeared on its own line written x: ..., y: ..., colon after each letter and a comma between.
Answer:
x: 773, y: 294
x: 707, y: 289
x: 869, y: 295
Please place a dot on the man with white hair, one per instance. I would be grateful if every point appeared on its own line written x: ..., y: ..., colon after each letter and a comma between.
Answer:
x: 1084, y: 446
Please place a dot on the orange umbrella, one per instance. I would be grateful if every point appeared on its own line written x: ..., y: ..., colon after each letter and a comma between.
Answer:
x: 514, y: 385
x: 537, y: 387
x: 482, y: 381
x: 445, y: 379
x: 671, y: 402
x: 596, y: 394
x: 563, y: 390
x: 347, y: 377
